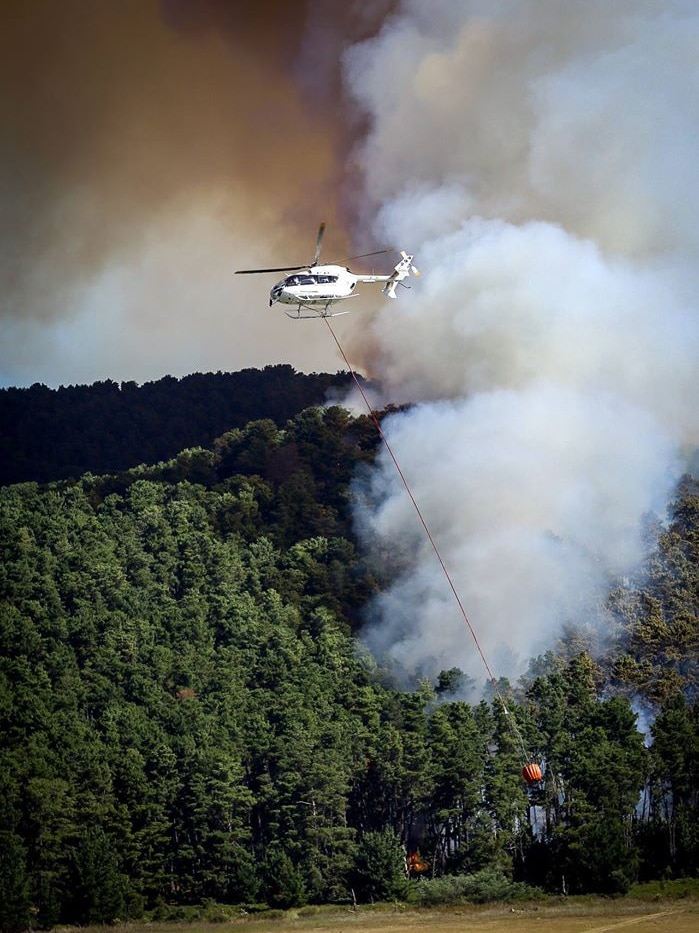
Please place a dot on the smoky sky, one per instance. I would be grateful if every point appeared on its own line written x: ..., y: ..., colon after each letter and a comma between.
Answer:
x: 148, y: 150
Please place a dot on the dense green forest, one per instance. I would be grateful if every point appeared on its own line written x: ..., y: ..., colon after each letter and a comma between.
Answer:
x: 48, y: 434
x: 186, y: 713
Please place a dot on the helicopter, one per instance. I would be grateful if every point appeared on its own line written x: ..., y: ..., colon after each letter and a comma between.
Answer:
x: 317, y: 288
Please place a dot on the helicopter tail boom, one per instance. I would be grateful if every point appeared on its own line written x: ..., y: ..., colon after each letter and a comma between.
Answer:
x: 401, y: 271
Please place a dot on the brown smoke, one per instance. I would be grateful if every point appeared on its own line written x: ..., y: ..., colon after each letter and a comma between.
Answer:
x: 125, y: 125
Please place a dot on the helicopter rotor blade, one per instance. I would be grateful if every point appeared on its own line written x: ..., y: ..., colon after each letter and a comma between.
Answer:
x: 319, y: 241
x: 316, y: 257
x: 376, y: 252
x: 276, y: 269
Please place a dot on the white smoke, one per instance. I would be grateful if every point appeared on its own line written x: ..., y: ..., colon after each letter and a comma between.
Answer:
x: 539, y: 157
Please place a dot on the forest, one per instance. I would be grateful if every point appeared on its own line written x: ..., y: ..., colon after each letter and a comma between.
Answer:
x: 48, y: 434
x: 187, y: 713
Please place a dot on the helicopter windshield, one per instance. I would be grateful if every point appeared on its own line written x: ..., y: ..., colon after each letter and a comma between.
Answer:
x: 310, y: 280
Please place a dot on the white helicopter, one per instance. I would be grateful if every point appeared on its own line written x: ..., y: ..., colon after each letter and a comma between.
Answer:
x: 317, y: 288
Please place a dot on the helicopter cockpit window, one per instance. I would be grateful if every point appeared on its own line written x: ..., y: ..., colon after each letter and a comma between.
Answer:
x: 310, y: 280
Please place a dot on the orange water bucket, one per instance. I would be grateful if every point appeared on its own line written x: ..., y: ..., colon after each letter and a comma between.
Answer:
x: 532, y: 773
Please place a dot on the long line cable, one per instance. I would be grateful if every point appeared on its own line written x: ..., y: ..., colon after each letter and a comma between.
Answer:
x: 428, y: 533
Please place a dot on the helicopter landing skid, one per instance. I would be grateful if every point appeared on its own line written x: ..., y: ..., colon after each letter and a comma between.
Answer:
x: 323, y: 312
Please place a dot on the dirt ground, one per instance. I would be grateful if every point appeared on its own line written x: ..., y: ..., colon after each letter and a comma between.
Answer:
x: 566, y: 917
x: 563, y: 919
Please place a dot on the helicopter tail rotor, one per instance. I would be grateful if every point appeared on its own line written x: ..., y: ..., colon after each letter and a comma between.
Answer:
x: 401, y: 271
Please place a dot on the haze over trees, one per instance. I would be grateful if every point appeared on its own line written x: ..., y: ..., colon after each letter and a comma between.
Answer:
x: 186, y: 712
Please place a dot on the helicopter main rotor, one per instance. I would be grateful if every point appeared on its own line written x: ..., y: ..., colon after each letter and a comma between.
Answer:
x: 316, y: 258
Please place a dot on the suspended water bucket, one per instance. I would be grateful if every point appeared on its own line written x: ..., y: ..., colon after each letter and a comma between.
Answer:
x: 532, y: 773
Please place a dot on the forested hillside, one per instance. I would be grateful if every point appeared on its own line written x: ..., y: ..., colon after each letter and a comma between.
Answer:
x: 185, y: 713
x: 48, y: 434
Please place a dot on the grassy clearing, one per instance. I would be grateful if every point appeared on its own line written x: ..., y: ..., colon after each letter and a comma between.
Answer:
x: 573, y: 915
x: 662, y: 890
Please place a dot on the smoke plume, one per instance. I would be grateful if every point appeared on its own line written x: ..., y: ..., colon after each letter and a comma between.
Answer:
x: 539, y: 158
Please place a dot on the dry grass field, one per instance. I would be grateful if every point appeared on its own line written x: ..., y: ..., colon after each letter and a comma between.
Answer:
x: 563, y: 918
x: 588, y: 916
